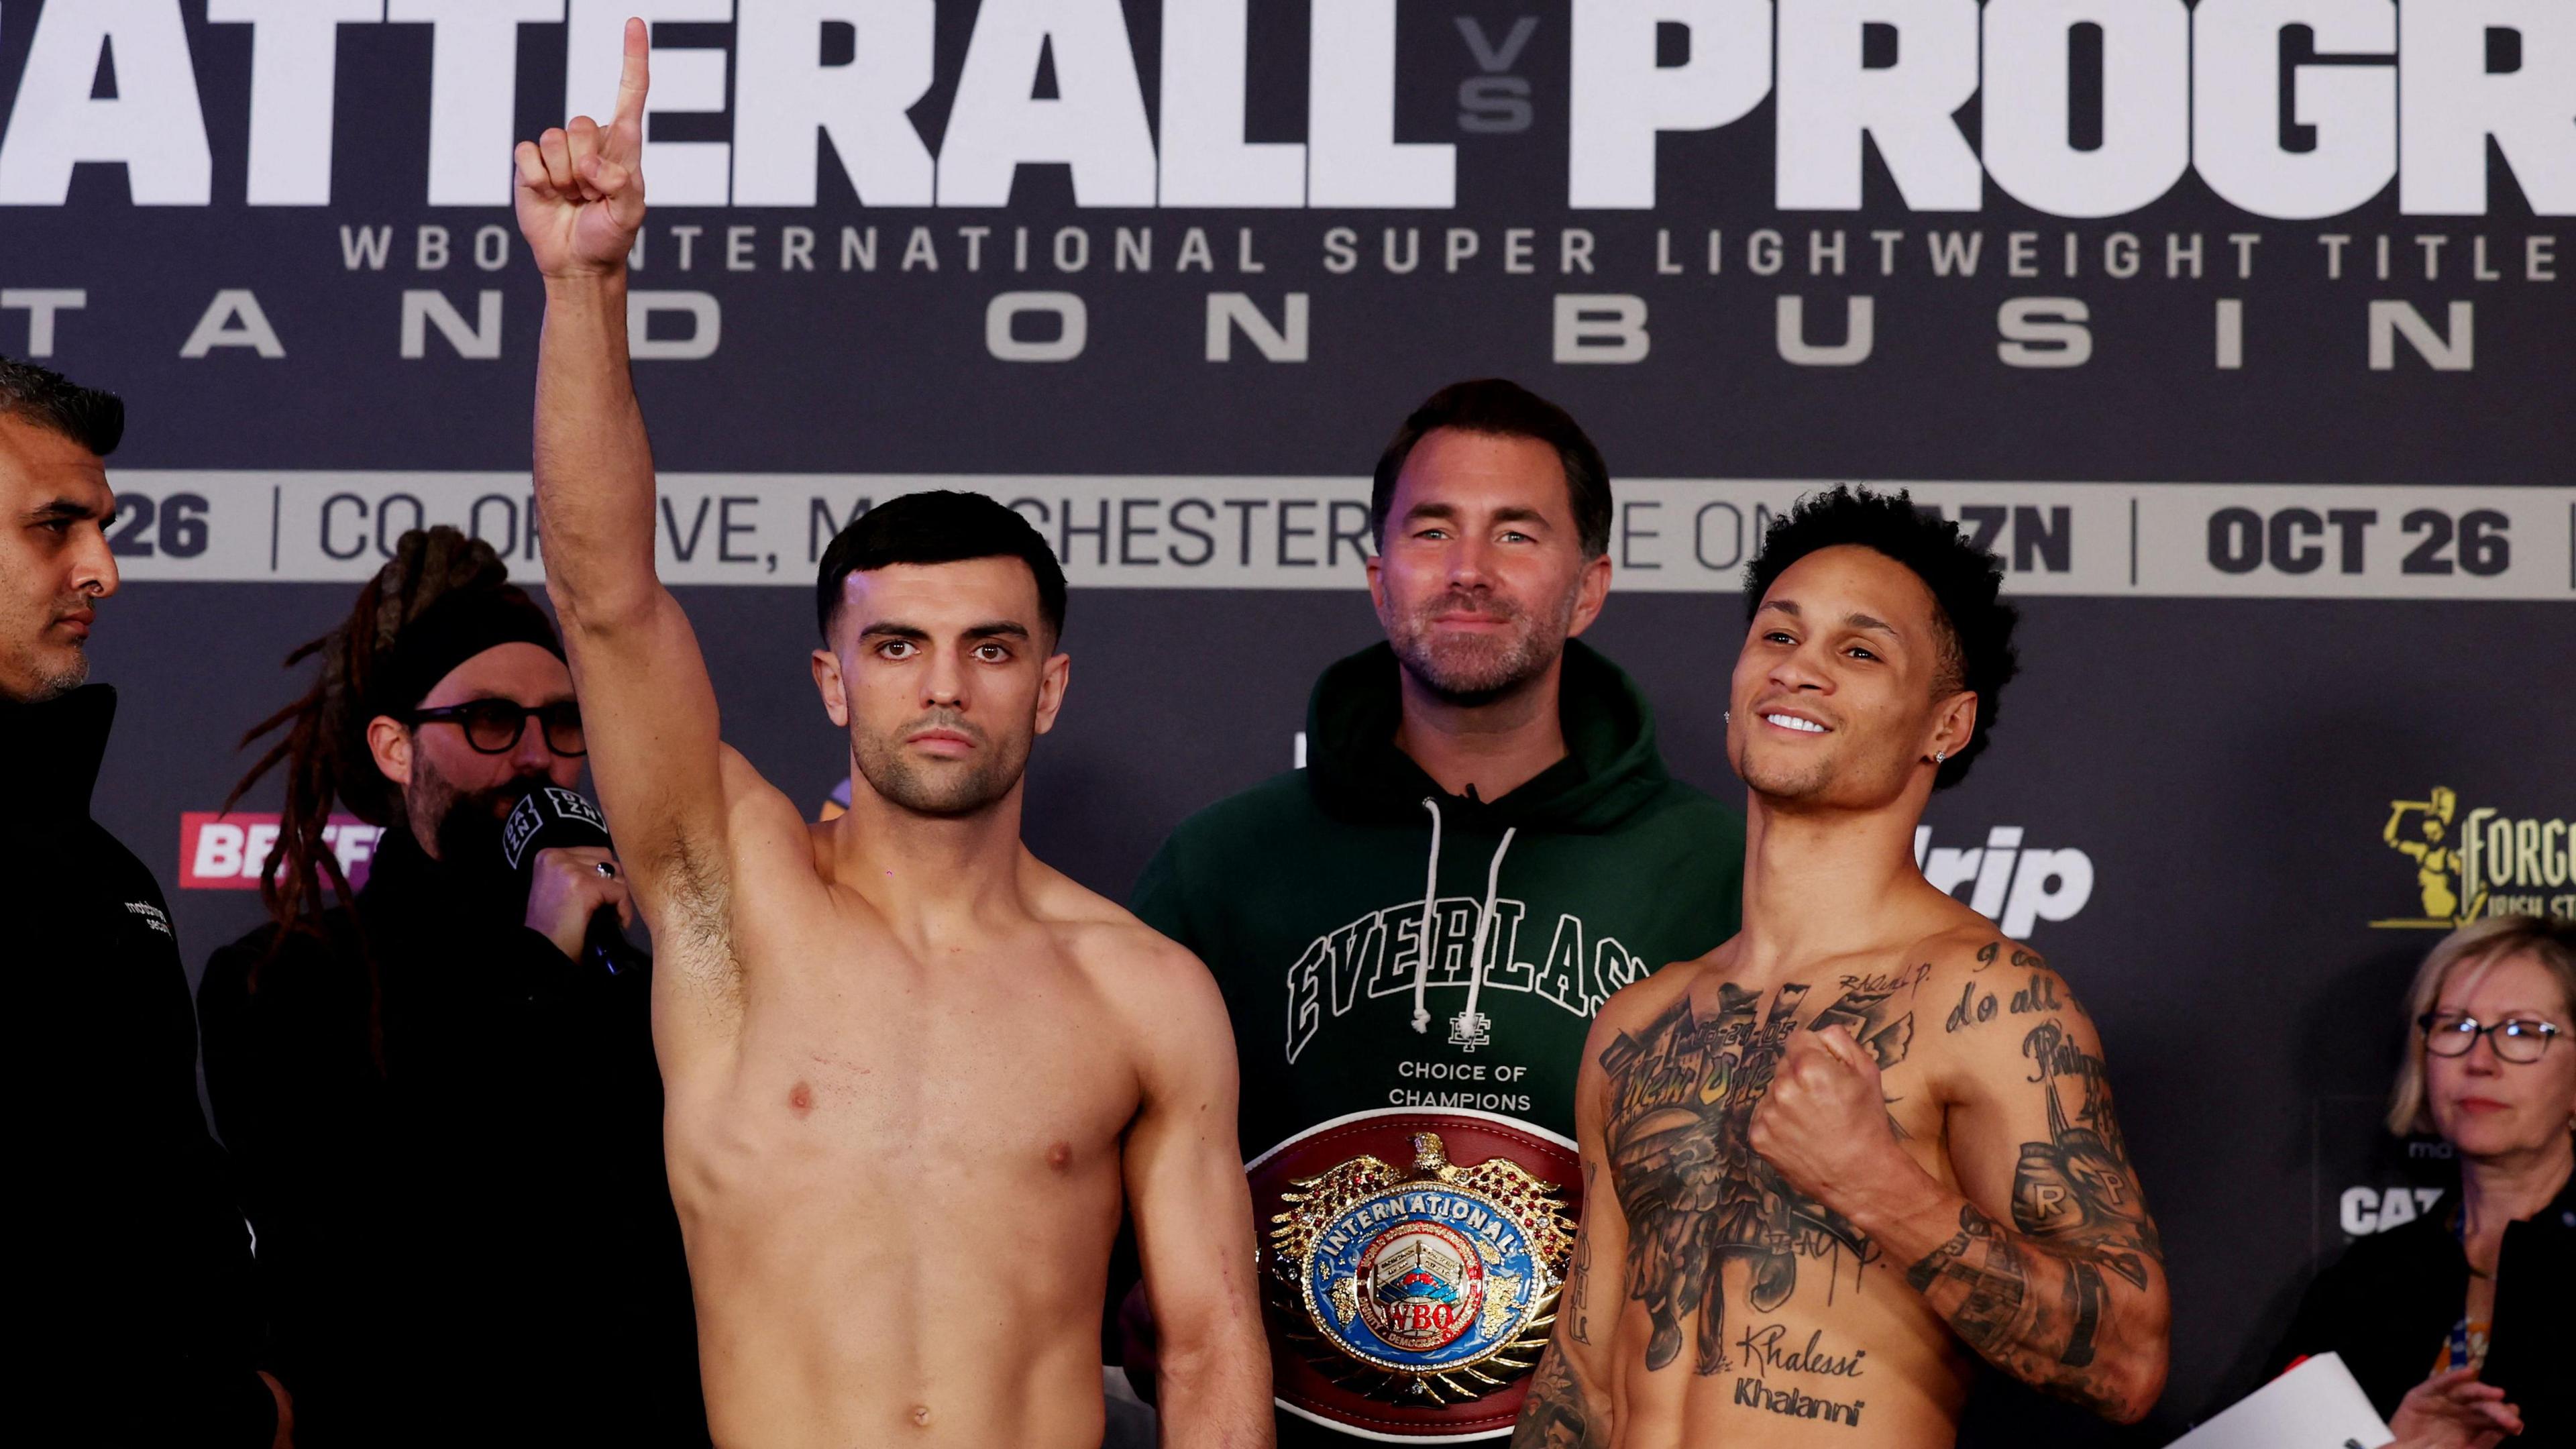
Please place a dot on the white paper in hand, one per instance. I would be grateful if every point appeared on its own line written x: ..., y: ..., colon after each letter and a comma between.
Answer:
x: 2314, y: 1406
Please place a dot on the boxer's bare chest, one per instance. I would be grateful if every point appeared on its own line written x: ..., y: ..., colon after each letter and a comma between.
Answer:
x: 863, y: 1064
x: 1746, y: 1299
x: 898, y: 1175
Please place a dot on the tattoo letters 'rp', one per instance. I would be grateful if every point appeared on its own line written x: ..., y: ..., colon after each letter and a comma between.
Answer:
x: 2077, y: 1188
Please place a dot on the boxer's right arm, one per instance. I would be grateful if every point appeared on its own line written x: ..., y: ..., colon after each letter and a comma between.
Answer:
x: 1567, y: 1407
x: 1192, y: 1207
x: 647, y: 703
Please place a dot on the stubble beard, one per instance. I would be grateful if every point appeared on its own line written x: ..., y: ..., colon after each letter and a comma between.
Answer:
x: 1789, y: 784
x: 1786, y: 781
x: 48, y: 671
x: 463, y: 827
x: 58, y: 676
x: 1851, y: 778
x: 1470, y: 669
x: 964, y: 787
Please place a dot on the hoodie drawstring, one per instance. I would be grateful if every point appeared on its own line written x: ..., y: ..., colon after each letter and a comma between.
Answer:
x: 1468, y: 1020
x: 1422, y: 936
x: 1423, y: 933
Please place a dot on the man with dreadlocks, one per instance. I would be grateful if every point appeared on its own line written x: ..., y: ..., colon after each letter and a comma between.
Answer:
x: 132, y: 1275
x: 445, y: 1110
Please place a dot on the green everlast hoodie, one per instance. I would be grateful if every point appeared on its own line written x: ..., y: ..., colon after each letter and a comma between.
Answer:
x: 1305, y: 896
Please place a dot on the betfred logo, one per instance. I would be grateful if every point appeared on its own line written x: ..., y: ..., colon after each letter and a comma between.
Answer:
x: 226, y: 852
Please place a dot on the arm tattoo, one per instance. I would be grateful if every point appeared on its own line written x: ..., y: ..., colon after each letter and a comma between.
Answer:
x: 1556, y: 1414
x: 1983, y: 1260
x: 2077, y: 1191
x: 1988, y: 1000
x: 2080, y: 1217
x: 1682, y: 1094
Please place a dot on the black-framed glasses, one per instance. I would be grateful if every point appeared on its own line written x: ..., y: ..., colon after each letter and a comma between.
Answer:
x: 2519, y: 1039
x: 493, y: 726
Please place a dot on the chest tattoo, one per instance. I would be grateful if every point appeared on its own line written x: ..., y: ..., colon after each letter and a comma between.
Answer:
x: 1682, y: 1095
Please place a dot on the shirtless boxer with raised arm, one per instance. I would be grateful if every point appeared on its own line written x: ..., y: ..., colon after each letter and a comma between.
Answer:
x: 911, y: 1071
x: 1868, y: 1141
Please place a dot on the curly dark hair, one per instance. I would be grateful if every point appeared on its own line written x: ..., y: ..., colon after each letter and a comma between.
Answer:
x: 1976, y: 624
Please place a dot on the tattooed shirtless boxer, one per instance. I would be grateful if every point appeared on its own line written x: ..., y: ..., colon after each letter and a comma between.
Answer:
x: 1867, y: 1142
x: 911, y: 1072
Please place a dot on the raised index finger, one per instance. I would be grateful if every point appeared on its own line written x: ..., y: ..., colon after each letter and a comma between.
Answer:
x: 635, y: 77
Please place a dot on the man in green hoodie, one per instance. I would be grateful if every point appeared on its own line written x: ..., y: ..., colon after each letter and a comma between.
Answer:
x: 1413, y: 933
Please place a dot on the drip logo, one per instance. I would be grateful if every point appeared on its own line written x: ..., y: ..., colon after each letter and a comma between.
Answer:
x: 2015, y: 886
x: 2478, y: 863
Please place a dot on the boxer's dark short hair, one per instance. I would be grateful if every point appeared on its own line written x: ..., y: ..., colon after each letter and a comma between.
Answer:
x: 49, y: 400
x: 1976, y: 625
x: 1504, y: 409
x: 937, y: 527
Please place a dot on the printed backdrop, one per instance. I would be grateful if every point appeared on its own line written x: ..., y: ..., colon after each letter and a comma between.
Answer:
x: 2240, y: 331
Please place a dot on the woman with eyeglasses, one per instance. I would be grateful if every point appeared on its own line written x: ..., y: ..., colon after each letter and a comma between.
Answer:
x: 2456, y: 1323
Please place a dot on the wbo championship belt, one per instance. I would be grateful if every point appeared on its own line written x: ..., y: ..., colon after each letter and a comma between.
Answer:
x: 1411, y: 1302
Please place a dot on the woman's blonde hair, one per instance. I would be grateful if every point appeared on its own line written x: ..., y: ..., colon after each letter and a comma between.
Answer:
x: 2551, y: 943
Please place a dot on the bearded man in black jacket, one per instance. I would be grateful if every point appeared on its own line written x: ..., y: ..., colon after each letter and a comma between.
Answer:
x: 132, y: 1274
x: 444, y: 1105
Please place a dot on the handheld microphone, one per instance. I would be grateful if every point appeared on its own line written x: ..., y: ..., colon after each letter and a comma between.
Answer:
x: 548, y: 818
